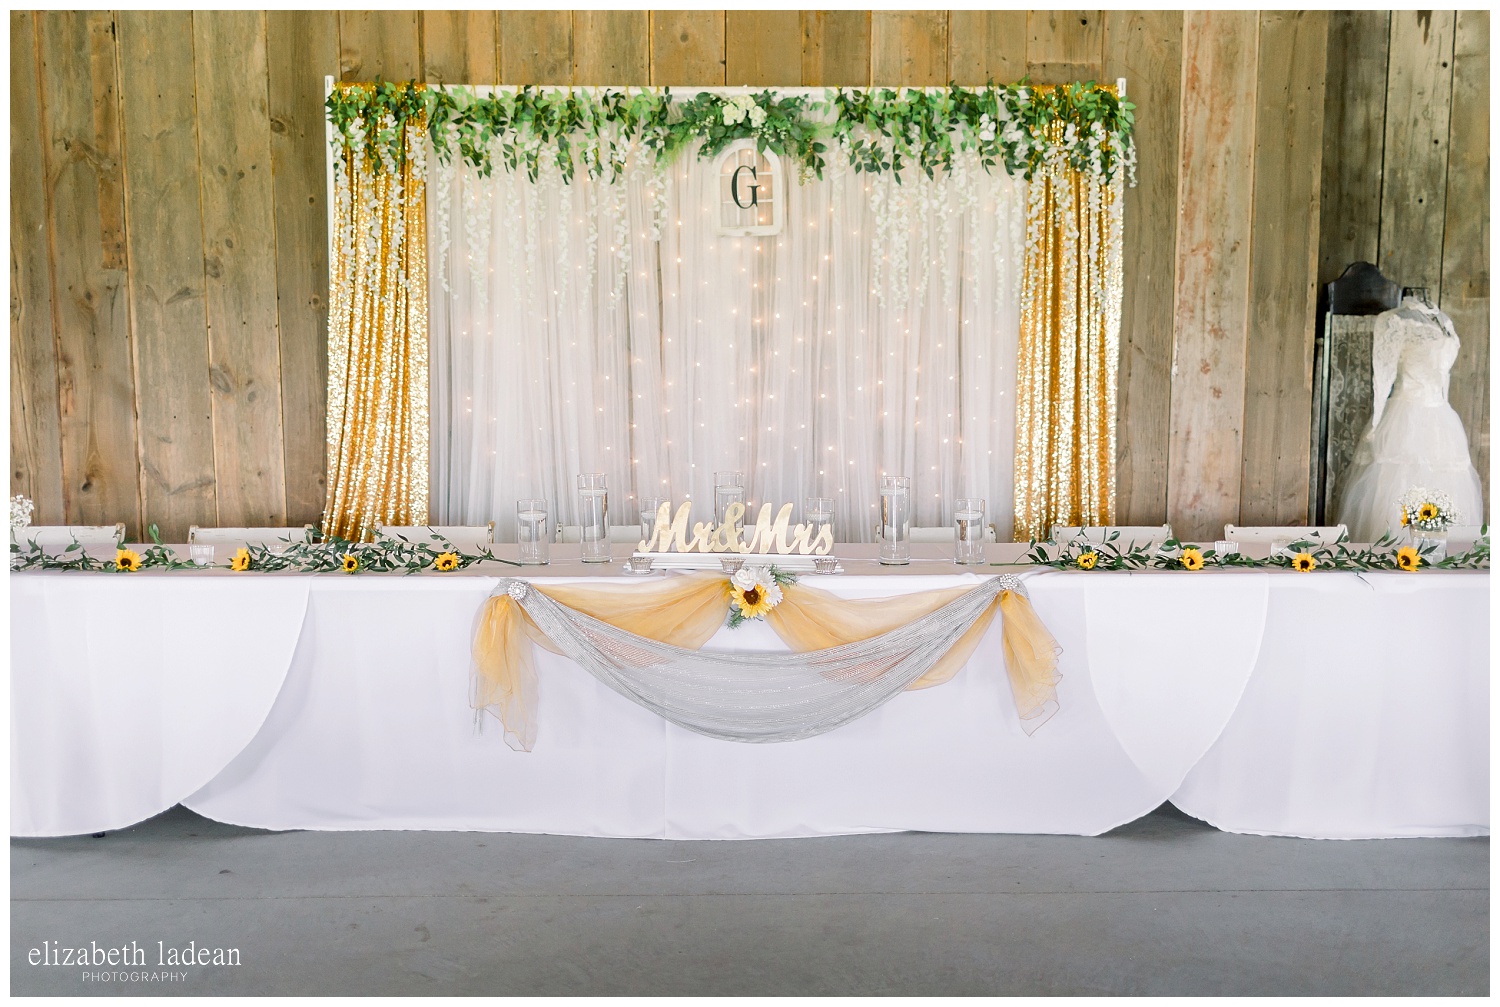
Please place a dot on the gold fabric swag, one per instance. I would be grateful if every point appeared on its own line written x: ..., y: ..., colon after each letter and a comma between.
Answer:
x: 686, y: 611
x: 377, y: 343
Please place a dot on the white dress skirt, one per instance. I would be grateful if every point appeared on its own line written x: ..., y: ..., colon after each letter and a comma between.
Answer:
x: 1414, y: 438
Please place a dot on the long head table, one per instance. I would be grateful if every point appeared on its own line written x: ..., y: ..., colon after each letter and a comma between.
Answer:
x: 1331, y: 705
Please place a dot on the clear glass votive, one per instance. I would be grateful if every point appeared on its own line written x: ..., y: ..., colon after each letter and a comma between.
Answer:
x: 593, y: 516
x: 818, y: 512
x: 729, y: 488
x: 731, y: 564
x: 1223, y: 547
x: 650, y: 508
x: 968, y: 530
x: 895, y: 520
x: 202, y: 554
x: 826, y: 564
x: 531, y: 531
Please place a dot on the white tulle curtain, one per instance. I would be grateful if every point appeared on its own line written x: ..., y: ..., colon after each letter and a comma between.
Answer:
x: 596, y: 327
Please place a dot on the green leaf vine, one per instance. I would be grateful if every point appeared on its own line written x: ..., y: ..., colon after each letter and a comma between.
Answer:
x: 884, y: 130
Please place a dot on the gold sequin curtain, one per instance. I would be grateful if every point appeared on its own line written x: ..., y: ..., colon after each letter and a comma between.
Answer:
x: 377, y: 344
x: 1069, y: 352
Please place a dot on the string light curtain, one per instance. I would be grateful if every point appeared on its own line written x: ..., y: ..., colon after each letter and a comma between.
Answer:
x: 1069, y: 349
x: 599, y: 326
x: 377, y: 334
x: 568, y: 246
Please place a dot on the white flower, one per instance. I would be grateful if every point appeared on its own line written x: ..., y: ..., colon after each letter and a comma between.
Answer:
x: 1417, y: 504
x: 759, y: 577
x: 20, y: 511
x: 757, y: 116
x: 741, y: 105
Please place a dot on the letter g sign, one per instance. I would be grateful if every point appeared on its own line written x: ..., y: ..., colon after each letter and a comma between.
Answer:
x: 734, y: 187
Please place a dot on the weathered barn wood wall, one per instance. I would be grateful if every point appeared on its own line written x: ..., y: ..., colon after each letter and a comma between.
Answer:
x: 1406, y: 174
x: 168, y: 236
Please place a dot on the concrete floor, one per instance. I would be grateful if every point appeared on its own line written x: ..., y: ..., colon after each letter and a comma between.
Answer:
x: 1166, y: 905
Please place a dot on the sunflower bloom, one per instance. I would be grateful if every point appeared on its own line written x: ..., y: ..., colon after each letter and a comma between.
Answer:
x: 1427, y: 512
x: 1086, y: 560
x: 1192, y: 559
x: 1407, y: 558
x: 351, y: 562
x: 446, y: 561
x: 127, y: 560
x: 754, y: 592
x: 1405, y: 518
x: 1304, y: 563
x: 753, y: 602
x: 240, y: 561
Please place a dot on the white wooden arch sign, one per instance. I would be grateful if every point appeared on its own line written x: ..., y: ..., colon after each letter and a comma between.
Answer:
x: 752, y: 191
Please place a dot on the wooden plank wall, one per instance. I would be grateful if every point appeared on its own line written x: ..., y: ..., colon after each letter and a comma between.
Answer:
x: 1406, y: 177
x: 169, y: 247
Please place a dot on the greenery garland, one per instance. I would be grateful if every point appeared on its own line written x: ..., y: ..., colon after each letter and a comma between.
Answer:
x: 399, y: 555
x: 1085, y: 126
x: 1303, y: 556
x: 384, y: 555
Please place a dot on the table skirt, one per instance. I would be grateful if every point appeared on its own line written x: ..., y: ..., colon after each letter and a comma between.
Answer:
x: 1330, y: 705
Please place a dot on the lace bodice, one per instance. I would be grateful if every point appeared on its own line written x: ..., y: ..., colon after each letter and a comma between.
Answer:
x: 1413, y: 352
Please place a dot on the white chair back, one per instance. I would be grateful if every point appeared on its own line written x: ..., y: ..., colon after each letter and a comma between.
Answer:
x: 1461, y: 538
x: 944, y: 533
x: 66, y: 534
x: 1142, y: 535
x: 628, y: 534
x: 466, y: 537
x: 1271, y: 535
x: 247, y: 536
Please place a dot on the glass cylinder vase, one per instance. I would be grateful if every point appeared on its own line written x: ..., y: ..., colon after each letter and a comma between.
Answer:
x: 593, y: 517
x: 895, y: 520
x: 729, y: 488
x: 650, y: 511
x: 818, y: 513
x: 968, y: 531
x: 1431, y: 545
x: 531, y: 531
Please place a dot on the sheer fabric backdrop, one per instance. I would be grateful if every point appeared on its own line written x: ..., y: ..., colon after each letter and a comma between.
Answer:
x: 876, y: 334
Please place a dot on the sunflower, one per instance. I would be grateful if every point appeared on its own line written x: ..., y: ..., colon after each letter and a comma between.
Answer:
x: 240, y: 561
x: 754, y: 592
x: 446, y: 561
x: 1407, y: 558
x: 1427, y: 512
x: 1303, y: 562
x: 127, y: 560
x: 1405, y: 518
x: 351, y: 562
x: 1086, y: 560
x: 752, y: 601
x: 1192, y: 559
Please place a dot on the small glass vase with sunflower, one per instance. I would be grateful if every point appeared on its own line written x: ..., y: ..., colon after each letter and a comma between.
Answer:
x: 754, y: 591
x: 1427, y: 514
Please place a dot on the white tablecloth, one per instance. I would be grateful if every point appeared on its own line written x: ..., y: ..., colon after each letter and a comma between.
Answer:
x: 1329, y: 705
x: 129, y: 692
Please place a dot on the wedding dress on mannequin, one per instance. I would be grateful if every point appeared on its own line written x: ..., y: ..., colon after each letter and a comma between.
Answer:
x: 1414, y: 438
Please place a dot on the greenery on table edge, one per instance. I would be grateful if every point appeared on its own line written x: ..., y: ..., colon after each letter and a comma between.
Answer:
x: 398, y: 555
x: 1086, y: 125
x: 1390, y: 553
x: 384, y: 555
